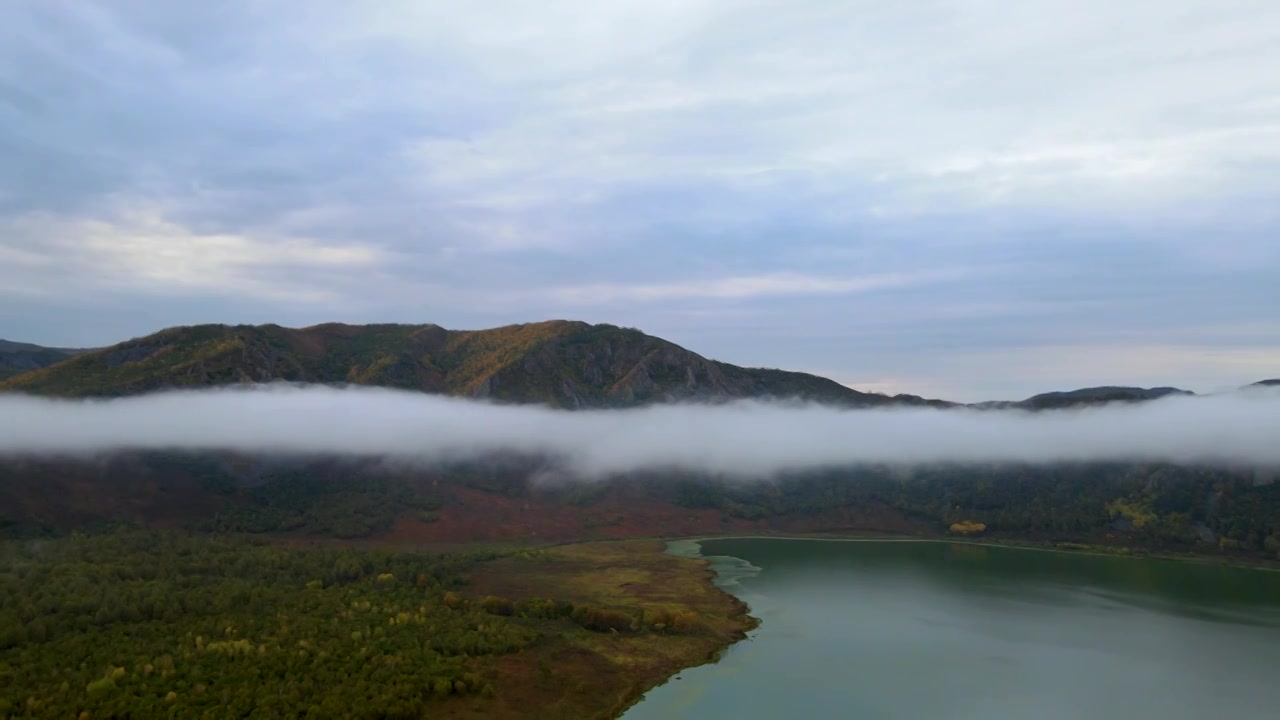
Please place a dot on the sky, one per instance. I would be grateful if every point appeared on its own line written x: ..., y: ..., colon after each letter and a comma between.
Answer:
x: 965, y: 199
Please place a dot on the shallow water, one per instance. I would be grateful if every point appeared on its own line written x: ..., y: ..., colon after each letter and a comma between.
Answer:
x: 883, y: 629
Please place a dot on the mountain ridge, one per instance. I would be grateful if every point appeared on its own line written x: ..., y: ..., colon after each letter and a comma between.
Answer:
x: 569, y: 364
x: 1059, y: 399
x: 17, y: 358
x: 564, y: 363
x: 1225, y: 510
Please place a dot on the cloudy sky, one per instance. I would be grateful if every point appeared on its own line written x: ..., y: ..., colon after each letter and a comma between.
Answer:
x: 960, y: 198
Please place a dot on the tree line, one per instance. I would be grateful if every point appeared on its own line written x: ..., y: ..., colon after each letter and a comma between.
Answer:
x: 1150, y: 505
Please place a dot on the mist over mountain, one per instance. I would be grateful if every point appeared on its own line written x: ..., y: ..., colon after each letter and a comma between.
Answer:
x: 743, y: 438
x: 353, y: 430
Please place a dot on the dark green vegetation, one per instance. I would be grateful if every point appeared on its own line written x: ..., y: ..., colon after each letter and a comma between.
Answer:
x: 149, y: 623
x: 290, y: 499
x: 17, y: 358
x: 1165, y: 508
x: 1154, y: 507
x: 566, y: 364
x: 135, y: 623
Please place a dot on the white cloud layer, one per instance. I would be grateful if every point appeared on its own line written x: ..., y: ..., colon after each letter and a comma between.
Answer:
x: 745, y: 438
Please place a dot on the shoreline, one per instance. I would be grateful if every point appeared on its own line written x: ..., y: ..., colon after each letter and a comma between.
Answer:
x: 713, y: 576
x: 742, y: 617
x: 691, y: 547
x: 635, y: 576
x: 1119, y: 551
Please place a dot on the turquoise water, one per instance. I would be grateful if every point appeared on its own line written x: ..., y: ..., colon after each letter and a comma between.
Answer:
x: 881, y: 629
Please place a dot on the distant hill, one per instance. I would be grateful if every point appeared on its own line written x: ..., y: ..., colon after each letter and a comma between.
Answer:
x: 1085, y: 396
x: 17, y: 358
x: 561, y: 363
x: 1266, y: 383
x: 1096, y: 395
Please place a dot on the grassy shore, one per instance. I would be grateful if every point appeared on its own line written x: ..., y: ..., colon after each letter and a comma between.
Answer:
x: 578, y: 673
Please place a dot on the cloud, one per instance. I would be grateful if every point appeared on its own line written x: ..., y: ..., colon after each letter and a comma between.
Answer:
x: 744, y: 438
x: 734, y: 288
x: 556, y: 107
x: 142, y: 251
x: 947, y: 105
x: 481, y: 164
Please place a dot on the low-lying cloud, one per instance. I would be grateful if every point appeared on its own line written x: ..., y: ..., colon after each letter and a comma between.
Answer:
x: 748, y: 438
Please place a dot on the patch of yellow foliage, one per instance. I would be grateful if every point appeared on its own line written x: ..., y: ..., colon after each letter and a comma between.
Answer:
x: 1138, y: 513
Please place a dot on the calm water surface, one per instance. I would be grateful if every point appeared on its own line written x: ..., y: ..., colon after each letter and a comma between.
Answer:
x: 912, y: 630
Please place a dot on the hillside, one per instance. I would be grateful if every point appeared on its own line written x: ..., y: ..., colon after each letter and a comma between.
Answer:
x: 1230, y: 511
x: 17, y: 358
x: 576, y: 365
x: 1089, y: 396
x: 561, y: 363
x: 1084, y: 396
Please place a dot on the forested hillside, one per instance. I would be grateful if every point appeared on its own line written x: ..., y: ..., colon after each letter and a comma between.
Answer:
x: 17, y: 358
x: 558, y: 362
x: 576, y: 365
x: 561, y: 363
x: 1152, y: 506
x: 138, y: 624
x: 1096, y: 395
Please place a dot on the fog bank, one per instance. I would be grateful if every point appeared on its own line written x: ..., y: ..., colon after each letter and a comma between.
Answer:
x: 745, y: 438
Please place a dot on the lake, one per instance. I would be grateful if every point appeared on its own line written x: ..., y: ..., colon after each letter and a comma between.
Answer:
x: 872, y: 630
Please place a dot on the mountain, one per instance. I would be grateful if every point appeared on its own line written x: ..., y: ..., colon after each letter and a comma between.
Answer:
x: 1097, y: 395
x: 1266, y: 383
x: 1230, y: 510
x: 561, y: 363
x: 1085, y: 396
x: 17, y: 358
